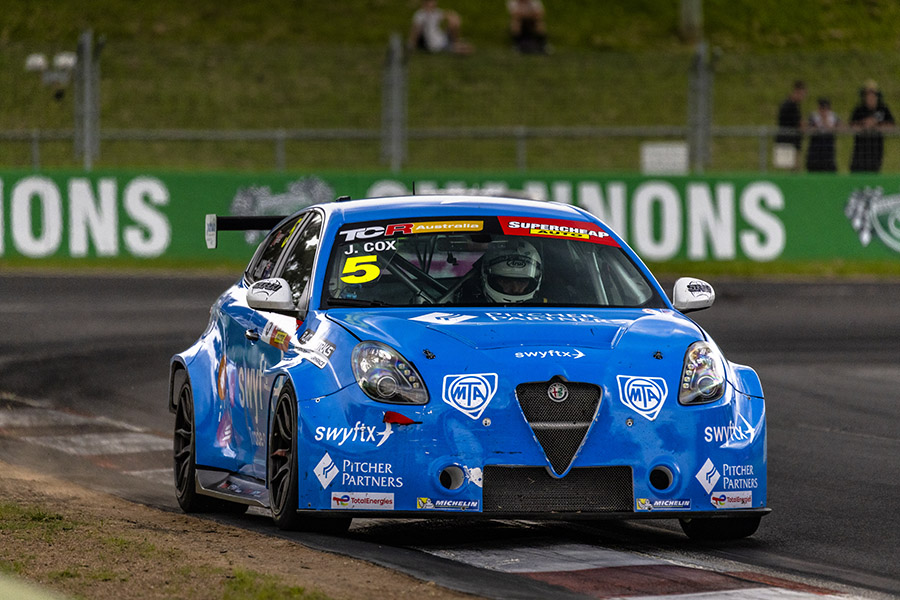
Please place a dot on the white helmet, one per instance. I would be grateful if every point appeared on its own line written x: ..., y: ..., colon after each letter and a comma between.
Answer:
x: 511, y: 271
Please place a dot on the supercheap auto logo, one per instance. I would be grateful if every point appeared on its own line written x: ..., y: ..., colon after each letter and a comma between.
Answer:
x: 557, y: 228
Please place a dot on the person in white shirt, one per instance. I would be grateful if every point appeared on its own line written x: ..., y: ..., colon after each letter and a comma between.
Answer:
x: 436, y: 30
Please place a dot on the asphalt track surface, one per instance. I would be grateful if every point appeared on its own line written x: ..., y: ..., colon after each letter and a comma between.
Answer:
x: 827, y: 354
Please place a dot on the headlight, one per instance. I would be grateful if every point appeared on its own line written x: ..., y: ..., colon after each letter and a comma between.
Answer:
x: 703, y: 378
x: 386, y: 376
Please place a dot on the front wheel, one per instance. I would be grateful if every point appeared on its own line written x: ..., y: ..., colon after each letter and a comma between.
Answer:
x: 722, y: 529
x: 283, y: 473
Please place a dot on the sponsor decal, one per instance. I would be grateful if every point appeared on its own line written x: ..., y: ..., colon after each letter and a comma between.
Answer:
x: 557, y: 228
x: 558, y: 392
x: 318, y: 350
x: 699, y: 289
x: 650, y: 504
x: 546, y: 317
x: 739, y: 477
x: 369, y: 474
x: 358, y: 433
x: 732, y: 499
x: 475, y: 475
x: 471, y: 393
x: 362, y: 233
x: 733, y: 432
x: 643, y: 395
x: 870, y: 211
x: 442, y: 318
x: 708, y: 476
x: 326, y: 471
x: 222, y: 377
x: 276, y: 337
x: 362, y: 500
x: 543, y: 354
x: 267, y: 287
x: 429, y: 504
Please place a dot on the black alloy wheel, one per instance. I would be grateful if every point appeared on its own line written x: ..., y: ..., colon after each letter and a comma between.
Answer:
x: 184, y: 462
x: 283, y: 474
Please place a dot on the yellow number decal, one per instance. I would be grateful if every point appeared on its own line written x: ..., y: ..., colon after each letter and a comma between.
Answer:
x: 359, y: 271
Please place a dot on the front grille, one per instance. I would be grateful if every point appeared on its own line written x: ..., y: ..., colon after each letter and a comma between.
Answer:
x: 533, y: 489
x: 560, y: 427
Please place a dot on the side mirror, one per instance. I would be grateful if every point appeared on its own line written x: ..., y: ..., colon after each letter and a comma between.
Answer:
x: 692, y: 294
x: 271, y: 294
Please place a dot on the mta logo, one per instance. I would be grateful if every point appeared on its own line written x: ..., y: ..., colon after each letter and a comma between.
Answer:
x: 643, y: 395
x: 470, y: 394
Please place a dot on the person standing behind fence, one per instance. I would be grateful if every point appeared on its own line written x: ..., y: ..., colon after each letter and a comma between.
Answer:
x: 822, y: 124
x: 790, y: 122
x: 870, y: 117
x: 436, y: 30
x: 526, y: 26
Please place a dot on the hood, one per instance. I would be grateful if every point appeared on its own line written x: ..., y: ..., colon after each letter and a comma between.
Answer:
x: 488, y: 329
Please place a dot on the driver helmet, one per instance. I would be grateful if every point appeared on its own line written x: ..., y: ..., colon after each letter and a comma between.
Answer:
x: 511, y: 271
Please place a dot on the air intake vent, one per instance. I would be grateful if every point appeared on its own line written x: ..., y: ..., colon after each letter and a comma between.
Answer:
x: 533, y: 490
x: 560, y: 414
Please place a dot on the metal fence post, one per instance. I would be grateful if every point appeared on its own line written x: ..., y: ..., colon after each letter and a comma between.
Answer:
x: 393, y: 105
x: 280, y: 152
x: 700, y: 85
x: 521, y: 148
x: 87, y: 99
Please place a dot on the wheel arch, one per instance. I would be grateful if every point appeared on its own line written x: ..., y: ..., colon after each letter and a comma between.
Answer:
x: 176, y: 365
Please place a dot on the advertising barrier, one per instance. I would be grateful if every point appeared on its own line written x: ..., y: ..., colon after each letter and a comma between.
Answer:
x: 151, y: 215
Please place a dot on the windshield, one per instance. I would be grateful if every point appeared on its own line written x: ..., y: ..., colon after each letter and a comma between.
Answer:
x: 482, y: 261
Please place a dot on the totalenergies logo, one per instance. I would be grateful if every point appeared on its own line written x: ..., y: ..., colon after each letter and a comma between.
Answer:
x: 343, y: 500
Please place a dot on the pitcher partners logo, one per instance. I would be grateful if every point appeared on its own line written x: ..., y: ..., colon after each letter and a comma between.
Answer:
x: 869, y: 210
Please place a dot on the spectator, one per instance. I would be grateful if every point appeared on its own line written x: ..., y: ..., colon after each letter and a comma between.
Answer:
x: 790, y: 123
x: 526, y: 26
x: 436, y: 30
x: 822, y: 123
x: 870, y: 117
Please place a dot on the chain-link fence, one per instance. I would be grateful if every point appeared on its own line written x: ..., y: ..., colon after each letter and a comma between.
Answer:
x: 263, y: 107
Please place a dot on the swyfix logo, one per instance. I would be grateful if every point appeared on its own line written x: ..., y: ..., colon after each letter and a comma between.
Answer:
x: 470, y: 394
x: 326, y: 471
x: 870, y: 211
x: 708, y: 475
x: 442, y: 318
x: 643, y: 395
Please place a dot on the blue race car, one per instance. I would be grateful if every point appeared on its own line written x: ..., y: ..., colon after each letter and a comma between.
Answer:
x: 449, y: 355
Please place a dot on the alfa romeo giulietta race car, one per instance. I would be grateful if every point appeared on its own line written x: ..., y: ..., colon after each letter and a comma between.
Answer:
x: 448, y: 355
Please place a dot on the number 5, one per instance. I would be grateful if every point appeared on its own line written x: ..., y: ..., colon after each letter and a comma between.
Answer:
x: 359, y: 271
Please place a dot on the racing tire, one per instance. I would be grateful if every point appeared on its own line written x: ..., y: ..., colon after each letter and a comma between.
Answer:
x: 720, y: 530
x: 184, y: 461
x: 283, y: 474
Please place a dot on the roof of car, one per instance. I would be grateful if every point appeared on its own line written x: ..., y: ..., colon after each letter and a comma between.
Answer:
x: 439, y: 205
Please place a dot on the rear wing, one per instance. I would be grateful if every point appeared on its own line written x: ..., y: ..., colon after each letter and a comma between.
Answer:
x: 215, y: 224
